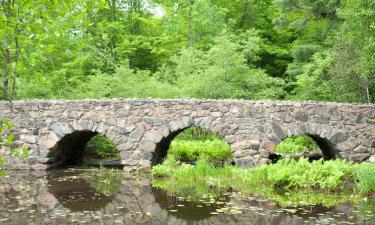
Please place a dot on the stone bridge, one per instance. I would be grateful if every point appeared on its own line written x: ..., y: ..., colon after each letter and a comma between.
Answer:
x: 142, y: 129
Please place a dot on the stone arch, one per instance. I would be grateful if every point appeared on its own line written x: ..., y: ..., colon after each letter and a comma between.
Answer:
x: 328, y: 139
x: 327, y: 149
x: 66, y: 141
x: 155, y: 143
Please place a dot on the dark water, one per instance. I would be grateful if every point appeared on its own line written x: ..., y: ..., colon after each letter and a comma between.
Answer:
x: 93, y: 197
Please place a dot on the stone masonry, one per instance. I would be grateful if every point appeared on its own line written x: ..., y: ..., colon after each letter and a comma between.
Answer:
x: 143, y: 128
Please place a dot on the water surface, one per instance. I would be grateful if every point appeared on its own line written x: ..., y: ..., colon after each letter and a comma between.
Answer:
x: 76, y: 196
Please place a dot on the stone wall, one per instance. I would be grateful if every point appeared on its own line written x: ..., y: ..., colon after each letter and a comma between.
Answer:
x: 142, y: 127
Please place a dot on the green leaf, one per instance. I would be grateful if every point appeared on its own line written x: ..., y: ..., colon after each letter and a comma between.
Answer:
x: 8, y: 124
x: 9, y: 140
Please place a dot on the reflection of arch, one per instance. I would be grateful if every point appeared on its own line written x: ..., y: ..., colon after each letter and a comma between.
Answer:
x: 74, y: 192
x: 189, y: 211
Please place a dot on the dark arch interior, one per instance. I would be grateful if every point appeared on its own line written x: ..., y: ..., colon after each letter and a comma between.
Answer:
x: 162, y: 147
x: 71, y: 148
x: 325, y: 146
x: 328, y: 152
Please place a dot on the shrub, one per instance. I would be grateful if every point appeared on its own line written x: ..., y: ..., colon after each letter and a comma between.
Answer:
x: 293, y: 145
x: 101, y: 147
x: 365, y: 174
x: 6, y: 140
x: 213, y: 150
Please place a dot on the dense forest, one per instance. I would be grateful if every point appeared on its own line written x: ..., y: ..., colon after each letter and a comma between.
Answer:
x: 248, y: 49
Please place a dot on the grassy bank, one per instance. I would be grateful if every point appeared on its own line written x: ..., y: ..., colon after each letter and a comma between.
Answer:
x: 198, y: 164
x: 305, y: 182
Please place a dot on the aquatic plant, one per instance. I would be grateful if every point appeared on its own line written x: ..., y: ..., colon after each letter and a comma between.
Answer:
x: 105, y: 181
x: 337, y: 178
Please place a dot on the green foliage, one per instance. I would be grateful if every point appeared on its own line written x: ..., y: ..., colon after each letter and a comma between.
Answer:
x: 197, y: 134
x: 245, y: 49
x: 165, y: 169
x: 101, y: 147
x: 195, y: 181
x: 359, y: 31
x: 199, y: 143
x: 366, y: 180
x: 6, y: 141
x: 327, y: 175
x: 192, y: 150
x: 320, y: 182
x: 296, y: 144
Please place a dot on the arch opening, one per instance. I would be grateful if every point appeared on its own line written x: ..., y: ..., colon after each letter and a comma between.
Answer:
x: 308, y: 146
x: 189, y: 144
x: 84, y: 147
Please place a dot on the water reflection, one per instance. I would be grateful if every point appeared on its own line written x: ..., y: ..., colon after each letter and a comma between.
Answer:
x: 186, y: 209
x: 74, y: 192
x: 71, y: 197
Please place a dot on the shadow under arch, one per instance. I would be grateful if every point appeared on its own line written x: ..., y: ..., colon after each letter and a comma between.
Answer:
x: 71, y: 148
x: 326, y: 147
x: 162, y: 147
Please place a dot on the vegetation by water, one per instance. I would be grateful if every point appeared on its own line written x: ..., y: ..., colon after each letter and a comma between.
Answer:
x: 105, y: 181
x: 337, y: 178
x: 289, y: 181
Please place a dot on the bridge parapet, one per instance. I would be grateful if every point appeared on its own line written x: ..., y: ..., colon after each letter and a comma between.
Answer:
x: 143, y: 128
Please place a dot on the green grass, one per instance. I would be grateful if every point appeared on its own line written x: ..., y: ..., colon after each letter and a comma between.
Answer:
x: 197, y: 134
x: 197, y: 143
x: 192, y: 150
x: 102, y: 148
x: 365, y: 174
x: 287, y: 182
x: 337, y: 178
x: 297, y: 144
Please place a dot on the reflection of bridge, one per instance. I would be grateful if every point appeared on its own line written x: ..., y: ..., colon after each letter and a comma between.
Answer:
x: 135, y: 203
x: 143, y: 129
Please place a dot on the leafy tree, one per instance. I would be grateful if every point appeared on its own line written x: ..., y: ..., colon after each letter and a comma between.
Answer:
x: 359, y: 31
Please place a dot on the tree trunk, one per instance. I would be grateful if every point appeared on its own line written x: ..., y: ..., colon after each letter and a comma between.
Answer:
x: 245, y: 15
x: 113, y: 36
x: 16, y: 58
x: 6, y: 72
x: 191, y: 24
